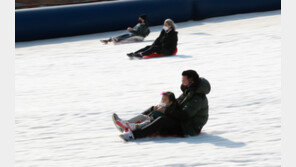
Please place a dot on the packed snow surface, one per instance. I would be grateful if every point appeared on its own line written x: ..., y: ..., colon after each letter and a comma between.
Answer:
x: 66, y: 90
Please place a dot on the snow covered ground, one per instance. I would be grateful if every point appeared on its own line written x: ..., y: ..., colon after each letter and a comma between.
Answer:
x: 67, y: 89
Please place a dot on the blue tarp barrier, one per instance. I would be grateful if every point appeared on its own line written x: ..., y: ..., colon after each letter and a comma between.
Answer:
x: 70, y: 20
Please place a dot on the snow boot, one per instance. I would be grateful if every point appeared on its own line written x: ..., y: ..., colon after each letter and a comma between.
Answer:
x: 105, y: 41
x: 138, y: 55
x: 126, y: 126
x: 115, y: 118
x: 128, y: 136
x: 130, y: 54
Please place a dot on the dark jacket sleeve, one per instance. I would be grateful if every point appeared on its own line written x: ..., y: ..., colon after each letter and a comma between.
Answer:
x: 148, y: 111
x: 140, y: 30
x: 157, y: 41
x: 181, y: 97
x: 189, y: 110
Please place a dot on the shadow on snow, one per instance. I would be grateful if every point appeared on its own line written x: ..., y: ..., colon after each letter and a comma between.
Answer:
x: 200, y: 139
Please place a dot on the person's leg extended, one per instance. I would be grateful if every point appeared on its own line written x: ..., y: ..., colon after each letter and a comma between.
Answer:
x: 138, y: 119
x: 151, y: 50
x: 123, y: 37
x: 143, y: 49
x: 163, y: 125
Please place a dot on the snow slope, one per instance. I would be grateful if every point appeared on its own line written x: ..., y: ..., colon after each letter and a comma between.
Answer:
x: 67, y: 89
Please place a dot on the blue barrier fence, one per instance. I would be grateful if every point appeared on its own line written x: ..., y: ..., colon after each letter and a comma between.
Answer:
x: 212, y: 8
x: 70, y: 20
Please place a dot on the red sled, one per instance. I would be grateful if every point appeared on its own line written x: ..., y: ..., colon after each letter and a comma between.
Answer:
x: 158, y: 55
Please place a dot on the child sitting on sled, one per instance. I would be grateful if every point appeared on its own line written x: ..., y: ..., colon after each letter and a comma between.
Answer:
x: 168, y: 101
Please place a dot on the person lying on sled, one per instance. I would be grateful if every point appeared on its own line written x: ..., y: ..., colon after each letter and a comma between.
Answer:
x: 138, y: 33
x: 168, y: 101
x: 165, y: 44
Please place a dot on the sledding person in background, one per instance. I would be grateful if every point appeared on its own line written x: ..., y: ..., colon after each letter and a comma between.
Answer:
x: 168, y: 101
x: 188, y: 119
x: 165, y: 44
x: 138, y: 33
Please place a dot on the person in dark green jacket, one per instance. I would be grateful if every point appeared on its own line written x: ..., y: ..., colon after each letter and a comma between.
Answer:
x: 135, y: 34
x: 193, y: 112
x: 188, y: 119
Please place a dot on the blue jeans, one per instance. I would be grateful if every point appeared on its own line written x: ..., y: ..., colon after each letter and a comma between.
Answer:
x: 124, y: 36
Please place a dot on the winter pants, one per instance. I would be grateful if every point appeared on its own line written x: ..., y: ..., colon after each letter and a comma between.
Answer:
x: 124, y: 36
x: 162, y: 125
x: 153, y: 48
